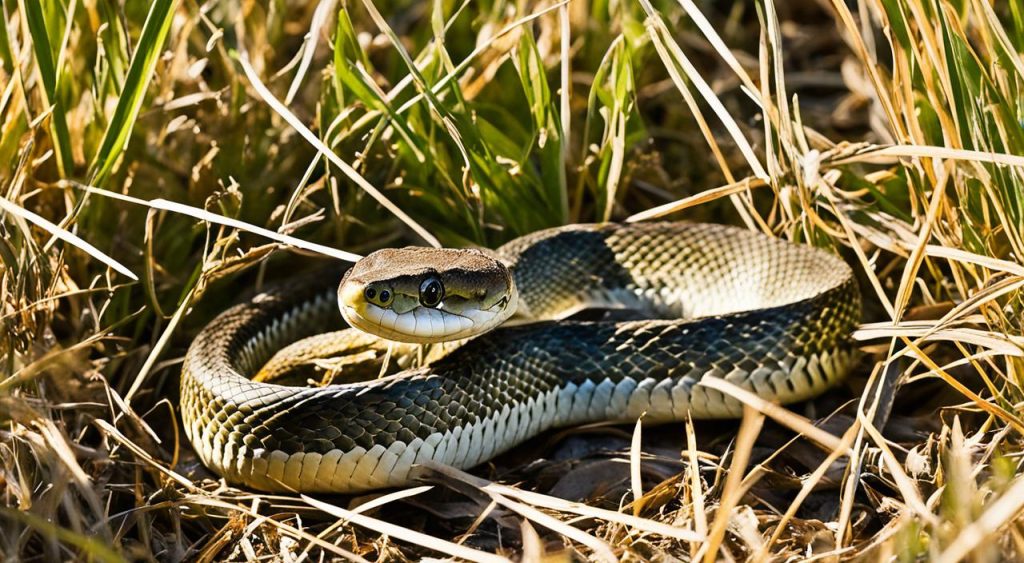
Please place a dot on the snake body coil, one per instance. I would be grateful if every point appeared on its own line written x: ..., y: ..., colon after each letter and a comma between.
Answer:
x: 769, y: 316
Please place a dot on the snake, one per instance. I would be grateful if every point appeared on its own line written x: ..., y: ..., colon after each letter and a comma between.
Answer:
x: 673, y: 305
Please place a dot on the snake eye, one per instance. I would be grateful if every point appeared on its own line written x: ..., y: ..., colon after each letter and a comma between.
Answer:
x: 385, y: 296
x: 431, y: 292
x: 370, y: 293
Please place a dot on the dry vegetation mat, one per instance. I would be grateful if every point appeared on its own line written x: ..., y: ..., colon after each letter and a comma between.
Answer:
x: 161, y: 160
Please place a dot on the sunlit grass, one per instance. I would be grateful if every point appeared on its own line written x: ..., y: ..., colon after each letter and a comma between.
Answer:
x: 240, y: 137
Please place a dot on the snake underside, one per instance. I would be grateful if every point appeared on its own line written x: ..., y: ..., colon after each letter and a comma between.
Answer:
x: 717, y: 301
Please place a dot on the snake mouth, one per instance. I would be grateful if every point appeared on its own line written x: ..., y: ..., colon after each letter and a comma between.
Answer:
x: 453, y: 319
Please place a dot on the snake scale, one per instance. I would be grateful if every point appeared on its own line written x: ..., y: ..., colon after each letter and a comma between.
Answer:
x: 714, y: 301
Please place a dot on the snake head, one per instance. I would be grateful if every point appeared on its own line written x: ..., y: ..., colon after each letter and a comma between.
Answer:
x: 427, y: 295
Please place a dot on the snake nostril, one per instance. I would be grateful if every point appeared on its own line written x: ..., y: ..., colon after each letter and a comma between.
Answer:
x: 378, y: 294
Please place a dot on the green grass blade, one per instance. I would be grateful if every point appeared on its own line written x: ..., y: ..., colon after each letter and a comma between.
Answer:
x: 48, y: 73
x: 115, y: 139
x: 89, y: 548
x: 6, y: 57
x: 546, y: 123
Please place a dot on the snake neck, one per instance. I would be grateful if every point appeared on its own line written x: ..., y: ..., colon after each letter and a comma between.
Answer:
x: 663, y: 270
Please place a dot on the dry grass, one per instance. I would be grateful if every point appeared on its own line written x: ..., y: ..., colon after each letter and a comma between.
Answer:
x: 159, y: 159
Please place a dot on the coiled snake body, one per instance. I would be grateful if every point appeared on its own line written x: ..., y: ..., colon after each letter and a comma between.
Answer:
x: 717, y: 301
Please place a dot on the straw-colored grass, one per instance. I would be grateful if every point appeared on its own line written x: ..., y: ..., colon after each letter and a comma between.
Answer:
x: 160, y: 160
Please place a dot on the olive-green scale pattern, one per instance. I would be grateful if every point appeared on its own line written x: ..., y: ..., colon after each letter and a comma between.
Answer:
x: 770, y: 316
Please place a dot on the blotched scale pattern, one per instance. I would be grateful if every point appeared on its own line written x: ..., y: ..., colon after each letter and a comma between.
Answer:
x: 769, y: 316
